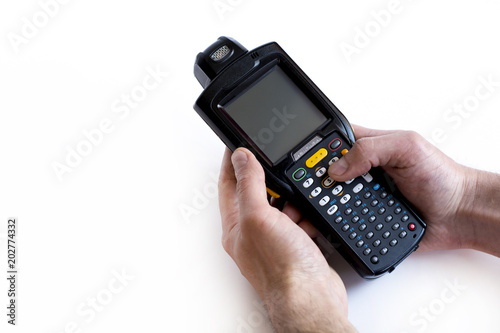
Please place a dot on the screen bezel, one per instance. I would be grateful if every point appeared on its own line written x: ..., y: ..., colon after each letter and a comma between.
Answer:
x: 248, y: 82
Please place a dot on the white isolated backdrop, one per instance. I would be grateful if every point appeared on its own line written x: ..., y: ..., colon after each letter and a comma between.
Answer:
x: 121, y: 211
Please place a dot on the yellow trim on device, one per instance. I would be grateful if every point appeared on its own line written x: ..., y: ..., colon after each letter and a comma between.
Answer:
x: 272, y: 193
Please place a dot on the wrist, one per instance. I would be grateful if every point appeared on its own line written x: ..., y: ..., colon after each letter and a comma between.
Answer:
x: 302, y: 305
x: 461, y: 231
x: 479, y: 213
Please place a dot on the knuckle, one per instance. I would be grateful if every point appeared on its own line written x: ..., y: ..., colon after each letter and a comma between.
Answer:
x: 243, y: 185
x: 221, y: 183
x: 414, y: 143
x: 225, y: 180
x: 413, y: 136
x: 228, y: 239
x: 226, y: 243
x: 365, y: 153
x: 364, y: 146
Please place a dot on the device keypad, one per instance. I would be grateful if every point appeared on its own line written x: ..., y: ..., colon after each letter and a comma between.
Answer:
x: 363, y: 211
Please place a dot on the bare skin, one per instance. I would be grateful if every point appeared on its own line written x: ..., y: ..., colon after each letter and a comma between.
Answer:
x: 274, y: 249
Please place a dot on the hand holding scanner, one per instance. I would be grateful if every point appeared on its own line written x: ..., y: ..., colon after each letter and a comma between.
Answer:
x: 261, y: 100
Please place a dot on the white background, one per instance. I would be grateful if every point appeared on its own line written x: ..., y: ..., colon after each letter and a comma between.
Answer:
x: 120, y: 209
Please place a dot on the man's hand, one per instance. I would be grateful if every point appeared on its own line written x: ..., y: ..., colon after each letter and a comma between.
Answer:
x: 274, y: 251
x: 442, y: 190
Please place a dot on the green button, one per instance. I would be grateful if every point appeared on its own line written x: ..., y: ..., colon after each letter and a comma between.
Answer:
x: 299, y: 174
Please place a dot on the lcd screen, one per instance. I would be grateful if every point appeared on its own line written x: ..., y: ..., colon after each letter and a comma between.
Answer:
x: 275, y: 114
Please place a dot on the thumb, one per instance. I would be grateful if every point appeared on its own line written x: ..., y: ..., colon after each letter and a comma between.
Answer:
x: 392, y: 150
x: 251, y: 186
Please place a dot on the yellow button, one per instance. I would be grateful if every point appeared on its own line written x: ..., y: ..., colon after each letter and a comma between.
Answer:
x: 318, y: 156
x: 272, y: 193
x: 344, y: 152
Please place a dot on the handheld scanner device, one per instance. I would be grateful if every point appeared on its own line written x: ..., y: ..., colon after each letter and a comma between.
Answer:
x: 261, y: 100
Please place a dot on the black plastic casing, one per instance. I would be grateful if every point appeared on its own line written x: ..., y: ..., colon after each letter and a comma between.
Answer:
x: 225, y: 79
x: 241, y: 70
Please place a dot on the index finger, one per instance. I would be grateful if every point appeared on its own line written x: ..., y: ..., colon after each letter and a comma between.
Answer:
x: 228, y: 202
x: 363, y: 132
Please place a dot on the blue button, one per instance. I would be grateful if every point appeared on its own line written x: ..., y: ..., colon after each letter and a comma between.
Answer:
x: 376, y: 187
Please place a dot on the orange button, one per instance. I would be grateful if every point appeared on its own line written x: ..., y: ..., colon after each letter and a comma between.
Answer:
x: 344, y: 152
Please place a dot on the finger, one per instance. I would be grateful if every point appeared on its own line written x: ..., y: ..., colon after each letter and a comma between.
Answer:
x: 310, y: 230
x: 228, y: 203
x: 292, y: 212
x: 277, y: 203
x: 250, y: 183
x: 363, y: 132
x: 392, y: 150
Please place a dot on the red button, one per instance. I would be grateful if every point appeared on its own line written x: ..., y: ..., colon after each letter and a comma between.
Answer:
x: 411, y: 226
x: 335, y: 144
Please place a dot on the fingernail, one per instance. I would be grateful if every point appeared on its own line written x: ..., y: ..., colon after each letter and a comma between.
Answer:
x: 239, y: 159
x: 339, y: 168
